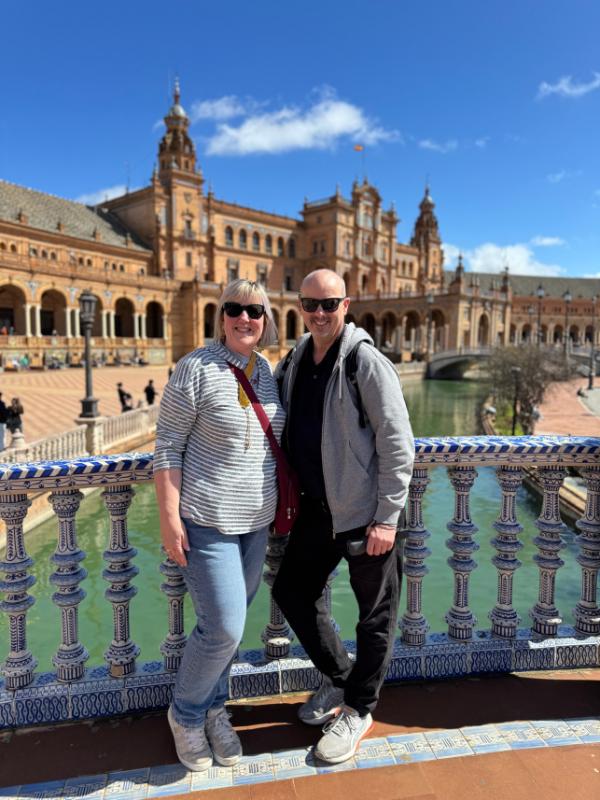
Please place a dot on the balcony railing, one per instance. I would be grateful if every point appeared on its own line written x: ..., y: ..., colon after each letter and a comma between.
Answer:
x: 122, y: 685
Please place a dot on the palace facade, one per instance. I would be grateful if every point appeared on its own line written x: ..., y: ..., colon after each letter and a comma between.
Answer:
x: 156, y: 260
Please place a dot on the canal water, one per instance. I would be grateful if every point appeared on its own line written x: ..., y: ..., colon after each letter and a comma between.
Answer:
x: 436, y: 408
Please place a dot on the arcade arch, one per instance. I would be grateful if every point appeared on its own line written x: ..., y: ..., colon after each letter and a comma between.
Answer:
x: 154, y: 320
x: 124, y: 318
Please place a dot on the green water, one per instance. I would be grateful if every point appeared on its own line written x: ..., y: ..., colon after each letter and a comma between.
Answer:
x: 436, y: 408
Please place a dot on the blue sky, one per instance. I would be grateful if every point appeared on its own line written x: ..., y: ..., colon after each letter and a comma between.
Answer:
x: 497, y: 104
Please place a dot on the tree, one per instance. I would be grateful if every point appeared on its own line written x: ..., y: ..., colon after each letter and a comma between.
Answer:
x: 524, y: 374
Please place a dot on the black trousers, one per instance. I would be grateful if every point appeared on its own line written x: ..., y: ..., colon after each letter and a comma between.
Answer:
x: 311, y: 555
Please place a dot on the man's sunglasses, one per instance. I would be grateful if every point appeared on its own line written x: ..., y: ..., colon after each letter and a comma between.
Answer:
x: 254, y: 310
x: 329, y: 304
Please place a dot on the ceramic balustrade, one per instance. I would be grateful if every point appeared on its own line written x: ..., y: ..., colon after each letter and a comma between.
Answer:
x: 124, y: 685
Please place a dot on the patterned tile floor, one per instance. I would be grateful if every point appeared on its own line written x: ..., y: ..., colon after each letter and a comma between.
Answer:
x: 384, y: 751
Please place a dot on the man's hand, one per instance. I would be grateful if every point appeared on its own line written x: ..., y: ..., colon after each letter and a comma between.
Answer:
x: 175, y: 540
x: 381, y: 539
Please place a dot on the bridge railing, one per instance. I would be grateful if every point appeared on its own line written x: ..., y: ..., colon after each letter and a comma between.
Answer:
x: 73, y: 690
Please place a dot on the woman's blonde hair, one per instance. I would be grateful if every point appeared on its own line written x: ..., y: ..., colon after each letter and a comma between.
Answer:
x: 245, y: 292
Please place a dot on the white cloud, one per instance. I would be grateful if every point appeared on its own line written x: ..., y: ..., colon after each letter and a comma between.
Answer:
x: 95, y: 198
x: 490, y: 257
x: 563, y: 174
x: 482, y: 142
x: 439, y: 147
x: 547, y: 241
x: 221, y: 108
x: 592, y: 275
x: 565, y: 87
x: 319, y: 127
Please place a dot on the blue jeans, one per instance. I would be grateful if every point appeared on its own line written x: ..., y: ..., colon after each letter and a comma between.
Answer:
x: 222, y: 576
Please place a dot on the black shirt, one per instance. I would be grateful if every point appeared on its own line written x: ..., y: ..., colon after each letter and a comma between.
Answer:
x: 305, y: 422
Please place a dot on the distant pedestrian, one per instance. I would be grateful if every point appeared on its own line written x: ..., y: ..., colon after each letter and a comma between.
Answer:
x: 125, y: 398
x: 3, y: 419
x: 150, y: 392
x: 14, y: 415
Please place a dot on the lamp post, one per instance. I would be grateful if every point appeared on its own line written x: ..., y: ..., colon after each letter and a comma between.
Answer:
x: 530, y: 313
x: 540, y: 296
x: 429, y: 299
x: 592, y: 343
x: 567, y: 298
x: 516, y: 373
x: 87, y: 309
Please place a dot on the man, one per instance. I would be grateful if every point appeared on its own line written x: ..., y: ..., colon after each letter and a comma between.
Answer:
x: 150, y: 392
x: 353, y: 449
x: 3, y: 418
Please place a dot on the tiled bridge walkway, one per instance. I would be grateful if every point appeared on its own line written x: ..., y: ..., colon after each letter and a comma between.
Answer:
x: 478, y: 755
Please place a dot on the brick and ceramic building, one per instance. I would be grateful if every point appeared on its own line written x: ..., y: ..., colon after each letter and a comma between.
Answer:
x: 156, y: 260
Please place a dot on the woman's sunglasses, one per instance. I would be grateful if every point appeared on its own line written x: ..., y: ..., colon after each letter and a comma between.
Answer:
x: 329, y: 305
x: 254, y: 310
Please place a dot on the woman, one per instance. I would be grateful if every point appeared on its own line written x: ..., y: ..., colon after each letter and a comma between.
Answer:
x: 217, y: 495
x: 13, y: 415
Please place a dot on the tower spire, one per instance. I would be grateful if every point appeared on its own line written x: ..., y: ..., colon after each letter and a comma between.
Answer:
x: 176, y: 149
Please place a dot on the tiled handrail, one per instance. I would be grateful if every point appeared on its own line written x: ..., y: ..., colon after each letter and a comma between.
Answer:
x: 73, y: 691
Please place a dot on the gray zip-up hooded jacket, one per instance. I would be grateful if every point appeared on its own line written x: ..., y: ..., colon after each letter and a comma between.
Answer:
x: 367, y: 470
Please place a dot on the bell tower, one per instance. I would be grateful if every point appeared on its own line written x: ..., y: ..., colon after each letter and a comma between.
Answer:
x: 426, y: 238
x: 176, y: 151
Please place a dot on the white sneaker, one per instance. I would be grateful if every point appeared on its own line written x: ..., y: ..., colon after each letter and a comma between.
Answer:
x: 342, y: 736
x: 191, y: 744
x: 323, y: 705
x: 224, y: 741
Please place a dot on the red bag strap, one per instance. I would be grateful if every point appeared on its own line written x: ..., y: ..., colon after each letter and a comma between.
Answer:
x: 265, y: 423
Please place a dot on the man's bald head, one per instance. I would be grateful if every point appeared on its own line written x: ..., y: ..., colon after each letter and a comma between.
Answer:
x: 323, y: 280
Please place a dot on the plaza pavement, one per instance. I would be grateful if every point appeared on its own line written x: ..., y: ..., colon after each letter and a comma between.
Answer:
x: 51, y: 398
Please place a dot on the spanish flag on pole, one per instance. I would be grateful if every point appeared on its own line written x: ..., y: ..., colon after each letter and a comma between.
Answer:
x: 359, y: 147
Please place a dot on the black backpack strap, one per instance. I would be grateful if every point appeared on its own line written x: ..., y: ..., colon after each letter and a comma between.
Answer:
x: 351, y: 366
x: 284, y: 368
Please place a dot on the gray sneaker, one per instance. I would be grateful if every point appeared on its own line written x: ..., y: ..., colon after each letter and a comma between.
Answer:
x: 225, y: 743
x: 323, y: 705
x: 193, y: 749
x: 342, y: 736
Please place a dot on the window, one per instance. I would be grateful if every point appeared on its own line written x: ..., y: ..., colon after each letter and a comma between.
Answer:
x: 33, y: 251
x: 44, y: 254
x: 233, y: 269
x: 269, y: 243
x: 288, y: 280
x: 88, y: 262
x: 188, y: 259
x: 261, y: 274
x: 188, y: 232
x: 315, y: 247
x: 122, y: 267
x: 292, y: 248
x: 2, y: 246
x: 280, y: 246
x: 229, y: 236
x: 323, y: 247
x: 53, y: 256
x: 13, y: 248
x: 256, y: 242
x: 243, y: 238
x: 347, y: 247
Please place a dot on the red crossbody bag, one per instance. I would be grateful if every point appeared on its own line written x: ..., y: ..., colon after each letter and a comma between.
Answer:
x: 288, y: 503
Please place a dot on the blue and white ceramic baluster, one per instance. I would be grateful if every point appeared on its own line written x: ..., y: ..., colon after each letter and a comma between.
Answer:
x: 505, y: 619
x: 544, y: 614
x: 460, y: 618
x: 20, y: 663
x: 414, y: 625
x: 122, y: 651
x: 277, y: 635
x: 71, y: 655
x: 174, y: 588
x: 586, y: 612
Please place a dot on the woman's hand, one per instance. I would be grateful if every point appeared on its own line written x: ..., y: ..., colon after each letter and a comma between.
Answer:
x: 174, y: 536
x: 175, y: 540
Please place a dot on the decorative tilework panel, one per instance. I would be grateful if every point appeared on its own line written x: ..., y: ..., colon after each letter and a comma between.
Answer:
x: 520, y: 735
x: 408, y: 748
x: 294, y: 764
x: 576, y: 655
x: 127, y: 785
x: 90, y: 787
x: 484, y: 739
x: 374, y: 753
x: 42, y: 791
x: 38, y: 704
x: 587, y: 729
x: 217, y: 777
x: 555, y: 732
x: 253, y: 769
x: 447, y: 744
x: 168, y: 780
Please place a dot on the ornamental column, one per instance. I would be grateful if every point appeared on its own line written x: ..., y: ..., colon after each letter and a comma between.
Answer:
x: 27, y: 319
